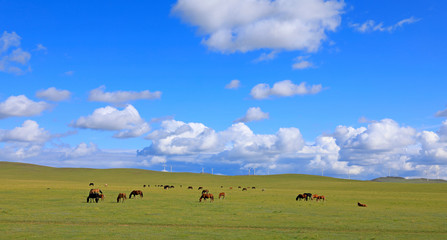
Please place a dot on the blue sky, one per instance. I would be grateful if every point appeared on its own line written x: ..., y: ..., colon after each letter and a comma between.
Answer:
x: 350, y: 88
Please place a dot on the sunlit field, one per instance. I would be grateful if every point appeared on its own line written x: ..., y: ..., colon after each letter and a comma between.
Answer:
x: 50, y: 203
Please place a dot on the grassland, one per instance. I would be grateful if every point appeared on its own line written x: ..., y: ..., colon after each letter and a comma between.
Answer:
x: 50, y: 203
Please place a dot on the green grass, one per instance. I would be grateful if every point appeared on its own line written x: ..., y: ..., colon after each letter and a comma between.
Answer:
x: 50, y: 203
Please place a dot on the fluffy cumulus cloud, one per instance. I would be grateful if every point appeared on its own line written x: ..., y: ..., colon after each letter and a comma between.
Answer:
x: 23, y: 142
x: 234, y: 84
x: 28, y: 132
x: 246, y: 25
x: 82, y: 150
x: 196, y: 143
x: 127, y: 122
x: 53, y: 94
x: 284, y: 88
x: 372, y: 26
x: 13, y: 59
x: 21, y: 106
x: 253, y: 114
x: 368, y: 151
x: 119, y: 97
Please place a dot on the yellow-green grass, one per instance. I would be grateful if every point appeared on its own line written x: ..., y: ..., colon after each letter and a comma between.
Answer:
x: 50, y: 203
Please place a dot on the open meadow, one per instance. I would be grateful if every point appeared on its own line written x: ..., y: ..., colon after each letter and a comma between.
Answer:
x: 50, y: 203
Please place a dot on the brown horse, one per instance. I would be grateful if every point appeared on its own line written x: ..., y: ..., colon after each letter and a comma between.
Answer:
x: 121, y: 196
x: 320, y: 198
x: 97, y: 190
x: 314, y: 196
x: 135, y: 193
x: 199, y: 188
x: 244, y: 189
x: 190, y: 187
x: 361, y: 204
x: 222, y: 194
x: 205, y: 196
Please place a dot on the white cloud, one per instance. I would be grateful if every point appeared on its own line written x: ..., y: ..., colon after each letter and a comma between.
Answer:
x: 69, y: 73
x: 82, y: 150
x: 40, y: 47
x: 371, y: 25
x: 21, y: 106
x: 253, y: 114
x: 246, y: 25
x: 234, y: 84
x: 283, y: 89
x: 8, y: 40
x: 266, y: 56
x: 442, y: 113
x: 28, y: 132
x: 117, y: 97
x: 12, y: 58
x: 301, y: 63
x: 127, y: 121
x: 53, y: 94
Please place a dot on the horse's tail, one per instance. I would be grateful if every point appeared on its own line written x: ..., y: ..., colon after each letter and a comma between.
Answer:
x: 100, y: 191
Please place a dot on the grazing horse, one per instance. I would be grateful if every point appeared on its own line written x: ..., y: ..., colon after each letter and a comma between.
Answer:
x: 135, y: 193
x: 190, y: 187
x: 205, y: 191
x: 361, y: 204
x: 95, y: 196
x: 231, y: 187
x: 253, y: 187
x: 244, y: 189
x: 222, y: 194
x: 166, y: 187
x: 121, y: 196
x: 300, y: 197
x: 308, y: 196
x: 97, y: 190
x: 91, y: 184
x: 199, y: 188
x: 314, y: 196
x: 320, y: 198
x: 206, y: 196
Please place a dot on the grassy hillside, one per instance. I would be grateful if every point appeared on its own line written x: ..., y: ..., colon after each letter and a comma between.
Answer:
x: 50, y: 203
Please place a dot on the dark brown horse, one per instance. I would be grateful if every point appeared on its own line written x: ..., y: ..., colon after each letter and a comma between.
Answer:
x: 190, y: 187
x: 91, y: 184
x: 135, y: 193
x: 205, y: 191
x: 300, y: 197
x: 205, y: 196
x: 244, y: 189
x: 308, y: 196
x: 121, y: 196
x: 95, y: 196
x: 222, y: 194
x: 361, y: 204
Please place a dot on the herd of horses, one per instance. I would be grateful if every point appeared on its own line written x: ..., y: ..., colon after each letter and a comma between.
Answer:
x: 309, y: 196
x: 96, y: 194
